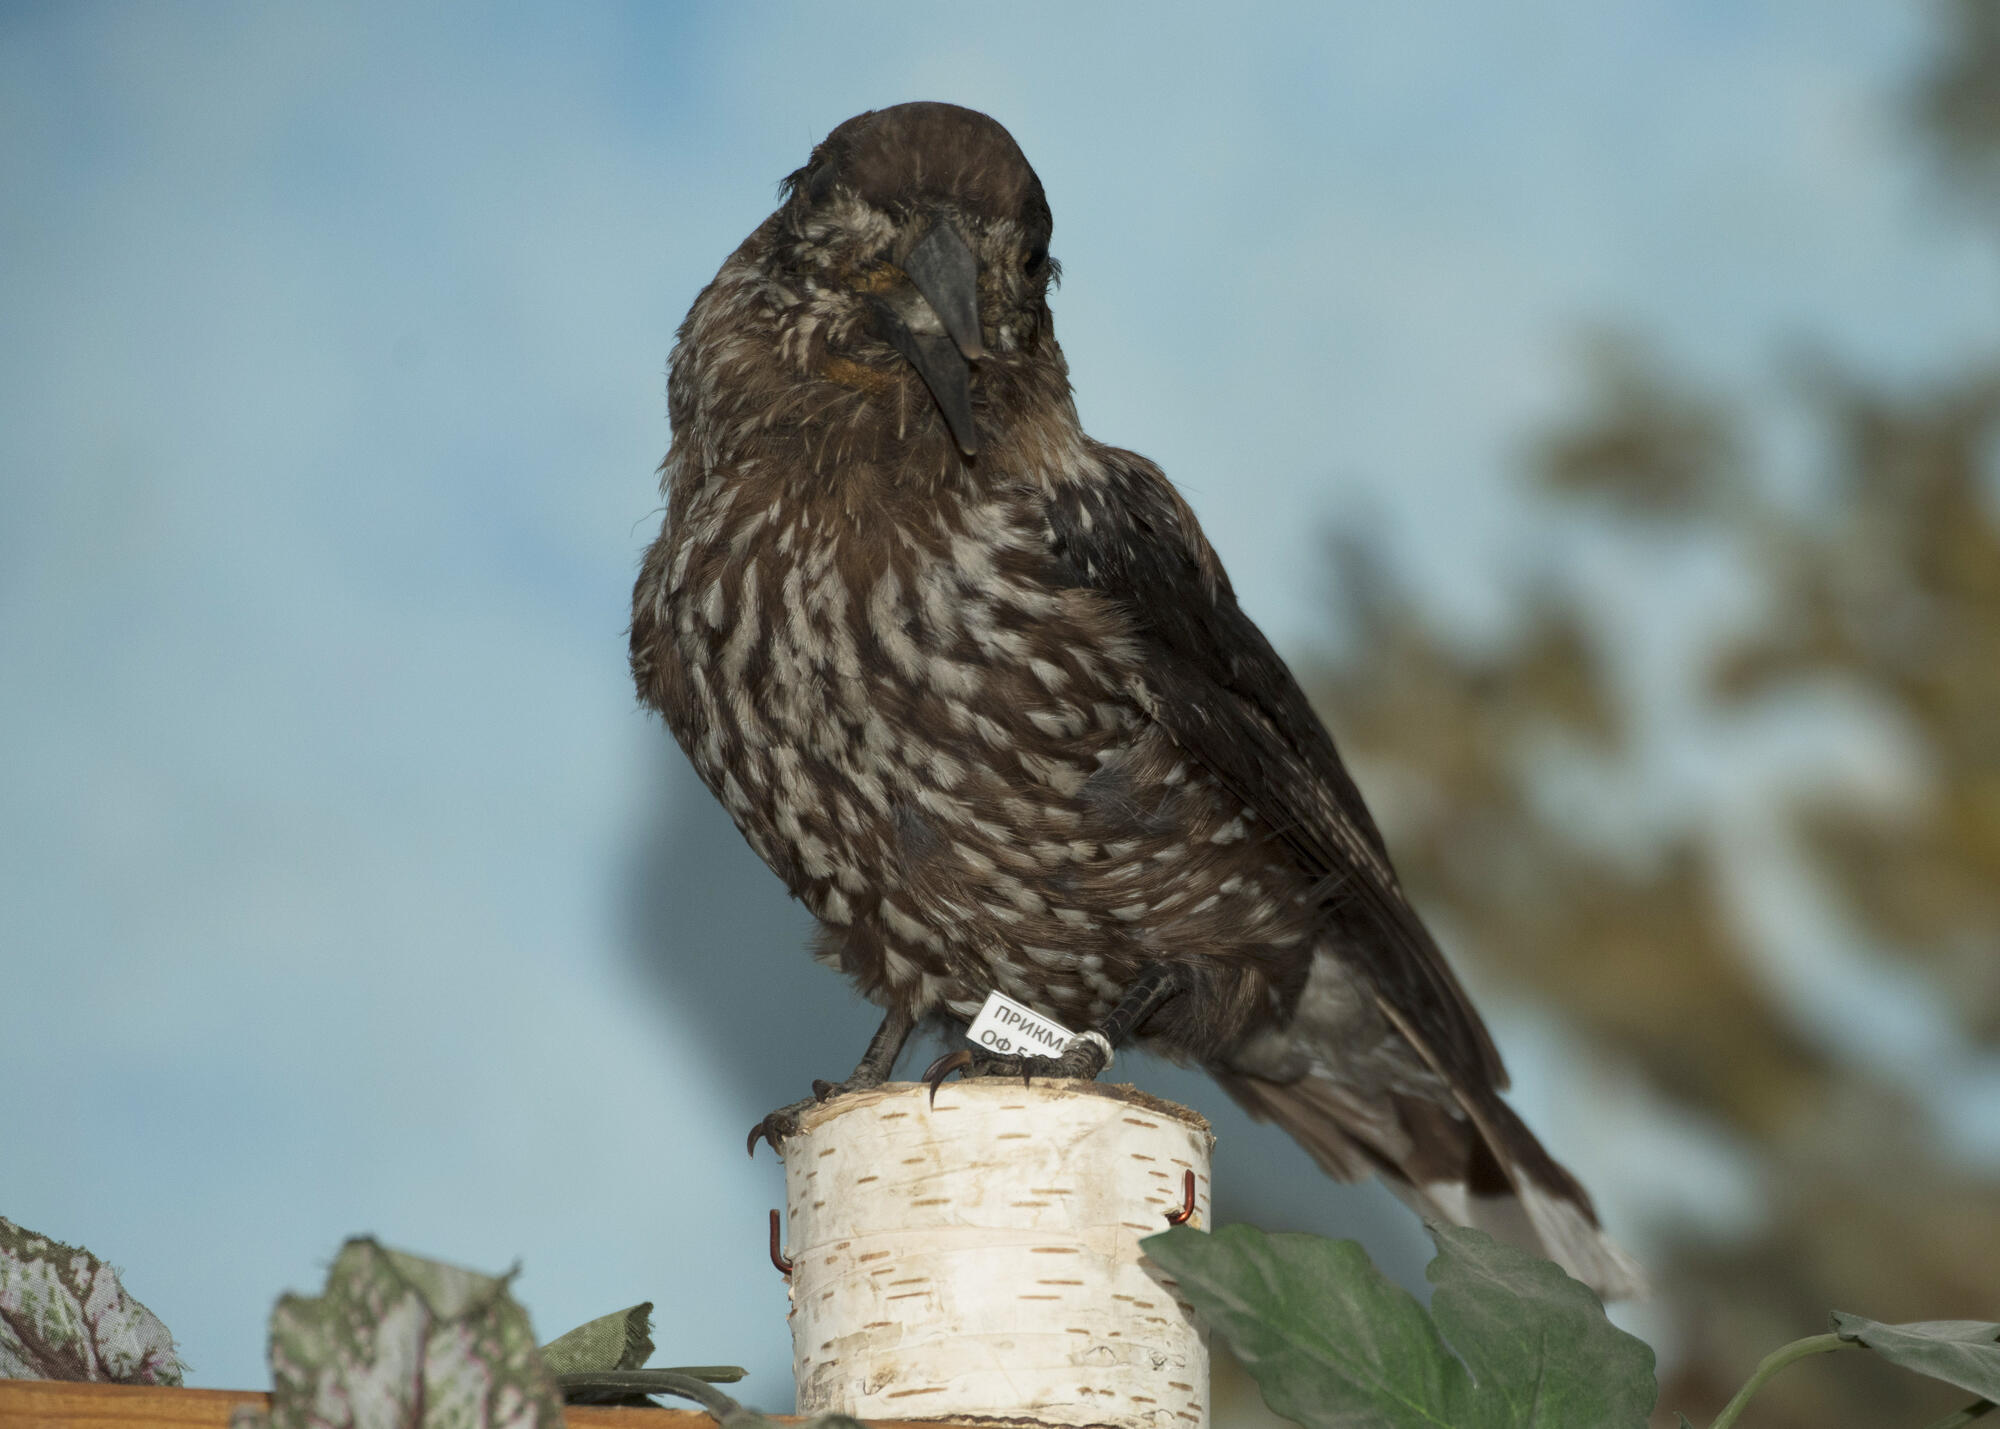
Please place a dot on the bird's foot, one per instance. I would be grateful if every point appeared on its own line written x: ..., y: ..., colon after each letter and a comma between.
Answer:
x: 861, y: 1081
x: 784, y: 1121
x: 1084, y: 1058
x: 780, y: 1124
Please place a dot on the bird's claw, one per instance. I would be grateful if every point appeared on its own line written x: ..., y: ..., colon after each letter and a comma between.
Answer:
x: 1081, y: 1061
x: 763, y: 1129
x: 785, y: 1120
x: 775, y: 1128
x: 1026, y: 1068
x: 943, y: 1067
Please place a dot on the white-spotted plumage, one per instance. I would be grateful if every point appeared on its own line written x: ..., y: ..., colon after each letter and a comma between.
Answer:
x: 977, y: 689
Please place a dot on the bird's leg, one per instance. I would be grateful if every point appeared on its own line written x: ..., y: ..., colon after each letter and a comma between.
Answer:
x: 1156, y: 984
x: 871, y: 1071
x: 873, y: 1068
x: 1089, y: 1052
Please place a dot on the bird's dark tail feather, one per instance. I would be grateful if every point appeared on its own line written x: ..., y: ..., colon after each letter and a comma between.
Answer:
x: 1480, y: 1168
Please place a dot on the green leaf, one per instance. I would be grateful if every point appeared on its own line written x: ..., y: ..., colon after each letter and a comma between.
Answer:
x: 1335, y: 1345
x: 621, y: 1340
x: 1534, y: 1339
x: 1332, y: 1343
x: 399, y: 1341
x: 1960, y: 1352
x: 64, y: 1315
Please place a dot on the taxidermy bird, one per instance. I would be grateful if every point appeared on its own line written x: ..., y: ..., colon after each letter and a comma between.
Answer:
x: 977, y: 689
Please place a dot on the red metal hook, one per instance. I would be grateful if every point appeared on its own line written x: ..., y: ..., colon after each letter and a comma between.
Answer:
x: 785, y: 1266
x: 1174, y: 1218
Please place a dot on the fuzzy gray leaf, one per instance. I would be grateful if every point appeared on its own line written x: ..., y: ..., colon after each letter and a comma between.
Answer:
x: 400, y: 1341
x: 65, y: 1315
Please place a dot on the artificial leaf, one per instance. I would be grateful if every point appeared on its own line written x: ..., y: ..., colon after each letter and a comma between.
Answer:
x: 1535, y: 1340
x: 1961, y: 1352
x: 638, y: 1387
x: 1335, y: 1345
x: 620, y: 1340
x: 64, y: 1315
x: 1331, y: 1342
x: 399, y: 1341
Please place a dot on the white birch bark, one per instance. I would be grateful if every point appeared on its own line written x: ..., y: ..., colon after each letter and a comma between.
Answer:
x: 980, y: 1258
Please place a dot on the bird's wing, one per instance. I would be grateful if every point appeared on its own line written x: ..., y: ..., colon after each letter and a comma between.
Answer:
x: 1218, y: 688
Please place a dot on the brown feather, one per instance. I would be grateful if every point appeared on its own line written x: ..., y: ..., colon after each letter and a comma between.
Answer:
x: 998, y: 721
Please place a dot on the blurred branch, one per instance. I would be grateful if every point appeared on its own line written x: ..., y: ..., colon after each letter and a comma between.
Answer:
x: 1958, y: 100
x: 1889, y: 586
x: 1896, y: 594
x: 1646, y: 959
x: 1884, y: 584
x: 1648, y: 443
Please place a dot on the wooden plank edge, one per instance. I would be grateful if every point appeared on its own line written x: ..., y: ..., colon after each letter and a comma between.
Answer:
x: 61, y: 1404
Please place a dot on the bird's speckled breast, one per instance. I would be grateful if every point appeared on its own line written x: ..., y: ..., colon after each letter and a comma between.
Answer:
x: 939, y: 751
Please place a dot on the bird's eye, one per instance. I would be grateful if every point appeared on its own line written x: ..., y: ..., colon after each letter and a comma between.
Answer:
x: 819, y: 181
x: 1038, y: 259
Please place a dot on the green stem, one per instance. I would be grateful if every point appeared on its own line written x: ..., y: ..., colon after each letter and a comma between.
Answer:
x: 1958, y: 1418
x: 1770, y: 1365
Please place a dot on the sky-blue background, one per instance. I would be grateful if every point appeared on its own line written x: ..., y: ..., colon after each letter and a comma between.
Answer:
x: 343, y: 887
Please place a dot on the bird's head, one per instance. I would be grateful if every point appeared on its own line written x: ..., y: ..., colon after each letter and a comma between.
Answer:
x: 922, y: 236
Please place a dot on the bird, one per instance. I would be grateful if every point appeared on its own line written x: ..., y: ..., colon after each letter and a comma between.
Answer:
x: 977, y: 688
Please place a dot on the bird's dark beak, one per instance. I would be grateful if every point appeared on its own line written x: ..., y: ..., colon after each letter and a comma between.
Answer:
x: 945, y: 371
x: 947, y: 274
x: 939, y: 335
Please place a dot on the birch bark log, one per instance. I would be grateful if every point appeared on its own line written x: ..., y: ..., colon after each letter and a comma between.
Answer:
x: 979, y: 1258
